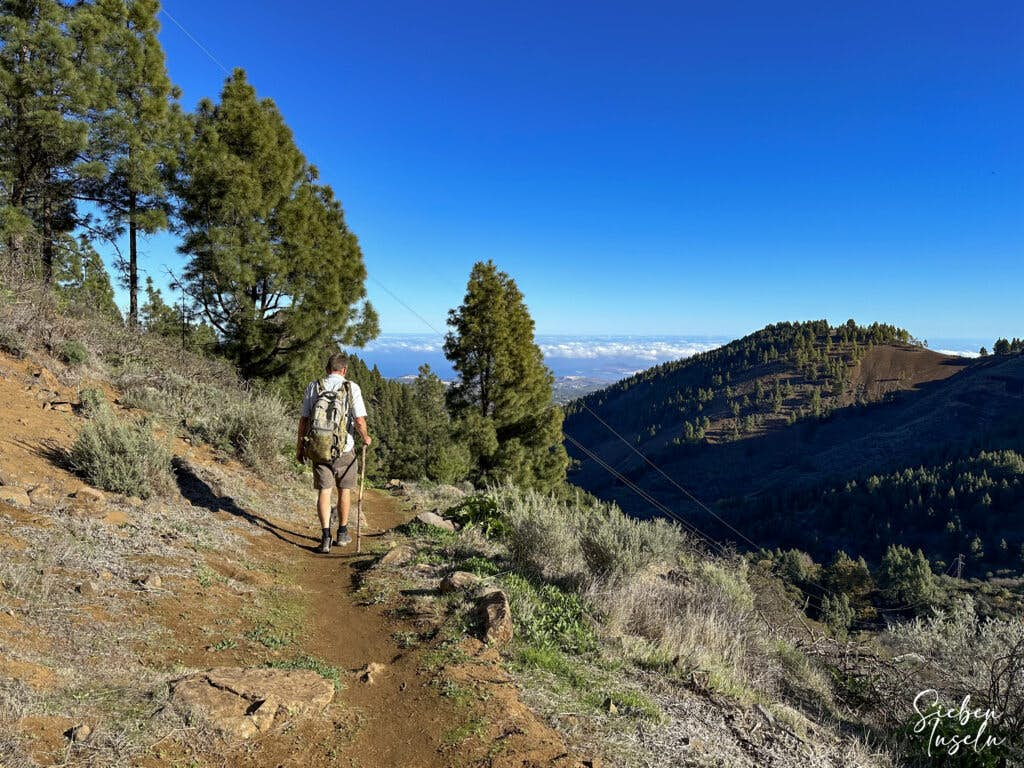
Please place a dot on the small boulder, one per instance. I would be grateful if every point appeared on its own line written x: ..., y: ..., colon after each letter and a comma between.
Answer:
x: 451, y: 491
x: 90, y: 588
x: 153, y: 581
x: 89, y: 494
x: 42, y: 496
x: 496, y: 617
x: 466, y: 487
x: 400, y: 555
x: 242, y: 703
x: 432, y: 518
x: 79, y: 733
x: 16, y: 497
x: 458, y: 581
x: 371, y: 672
x: 47, y: 379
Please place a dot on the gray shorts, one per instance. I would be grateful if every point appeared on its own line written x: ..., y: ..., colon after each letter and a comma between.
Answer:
x: 341, y: 473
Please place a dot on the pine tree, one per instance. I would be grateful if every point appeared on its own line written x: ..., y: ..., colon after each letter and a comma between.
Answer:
x: 136, y: 129
x: 906, y: 578
x: 81, y: 281
x: 274, y: 267
x: 503, y: 396
x: 45, y: 77
x: 157, y: 316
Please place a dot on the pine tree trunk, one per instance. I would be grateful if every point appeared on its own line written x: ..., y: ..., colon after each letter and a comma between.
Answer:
x: 47, y: 244
x: 133, y: 268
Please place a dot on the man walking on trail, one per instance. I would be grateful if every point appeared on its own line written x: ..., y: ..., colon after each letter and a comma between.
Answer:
x: 332, y: 408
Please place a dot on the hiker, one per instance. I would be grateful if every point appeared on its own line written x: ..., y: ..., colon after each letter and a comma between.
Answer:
x: 331, y: 409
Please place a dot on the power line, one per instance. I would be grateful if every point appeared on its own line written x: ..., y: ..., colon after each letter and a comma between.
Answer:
x: 689, y: 527
x: 413, y: 311
x: 199, y: 45
x: 661, y: 472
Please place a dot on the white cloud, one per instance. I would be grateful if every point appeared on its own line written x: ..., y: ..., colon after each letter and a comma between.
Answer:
x: 647, y: 349
x: 957, y: 352
x: 653, y: 350
x: 387, y: 343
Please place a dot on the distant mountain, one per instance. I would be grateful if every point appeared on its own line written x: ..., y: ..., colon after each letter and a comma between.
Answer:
x: 773, y: 428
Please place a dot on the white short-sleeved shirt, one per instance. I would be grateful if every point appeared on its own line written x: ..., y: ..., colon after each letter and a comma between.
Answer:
x: 357, y: 411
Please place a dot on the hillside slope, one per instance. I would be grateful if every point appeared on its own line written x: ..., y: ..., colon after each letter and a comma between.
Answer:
x: 891, y: 407
x: 108, y: 602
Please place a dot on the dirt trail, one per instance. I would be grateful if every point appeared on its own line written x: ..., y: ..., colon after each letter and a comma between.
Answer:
x: 403, y: 718
x: 400, y: 720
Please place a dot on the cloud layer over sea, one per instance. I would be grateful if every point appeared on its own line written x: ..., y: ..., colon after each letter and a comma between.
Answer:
x: 604, y: 358
x: 608, y: 358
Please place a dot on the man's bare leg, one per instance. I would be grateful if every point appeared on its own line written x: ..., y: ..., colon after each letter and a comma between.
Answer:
x: 323, y: 507
x: 344, y: 505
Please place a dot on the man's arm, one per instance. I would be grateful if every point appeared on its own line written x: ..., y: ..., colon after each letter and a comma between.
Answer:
x: 299, y: 447
x: 360, y: 422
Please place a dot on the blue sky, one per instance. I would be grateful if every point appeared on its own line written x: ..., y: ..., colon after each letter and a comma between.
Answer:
x: 655, y: 168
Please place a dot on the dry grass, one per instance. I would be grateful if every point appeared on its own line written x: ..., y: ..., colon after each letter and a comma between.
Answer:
x: 99, y: 676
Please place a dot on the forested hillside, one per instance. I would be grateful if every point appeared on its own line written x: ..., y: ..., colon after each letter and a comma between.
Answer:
x: 823, y: 439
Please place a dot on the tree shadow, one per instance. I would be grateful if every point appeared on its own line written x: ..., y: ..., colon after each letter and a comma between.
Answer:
x: 199, y: 493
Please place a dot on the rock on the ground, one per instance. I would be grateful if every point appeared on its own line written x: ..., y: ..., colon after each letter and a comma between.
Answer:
x: 457, y: 581
x: 242, y: 703
x: 432, y: 518
x: 451, y: 490
x: 17, y: 497
x: 466, y: 487
x: 153, y: 581
x: 42, y: 496
x: 88, y: 493
x: 79, y: 733
x: 47, y: 379
x: 400, y: 555
x: 496, y: 616
x: 371, y: 672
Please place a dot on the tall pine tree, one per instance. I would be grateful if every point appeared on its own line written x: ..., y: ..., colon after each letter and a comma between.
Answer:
x: 274, y: 267
x: 503, y: 396
x: 46, y: 75
x: 136, y: 129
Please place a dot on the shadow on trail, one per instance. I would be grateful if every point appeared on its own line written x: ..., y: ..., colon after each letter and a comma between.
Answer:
x: 200, y: 494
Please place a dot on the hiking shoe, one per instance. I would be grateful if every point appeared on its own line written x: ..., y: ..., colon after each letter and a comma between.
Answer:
x: 343, y: 538
x: 325, y: 545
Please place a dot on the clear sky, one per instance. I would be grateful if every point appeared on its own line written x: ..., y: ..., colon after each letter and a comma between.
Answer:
x: 644, y: 167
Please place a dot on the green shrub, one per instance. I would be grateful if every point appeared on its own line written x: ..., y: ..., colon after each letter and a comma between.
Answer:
x: 74, y: 353
x: 547, y: 616
x: 573, y: 542
x: 482, y: 513
x: 93, y: 402
x: 252, y: 425
x: 122, y: 456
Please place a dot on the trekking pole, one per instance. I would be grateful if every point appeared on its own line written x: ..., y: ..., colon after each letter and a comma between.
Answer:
x: 359, y: 503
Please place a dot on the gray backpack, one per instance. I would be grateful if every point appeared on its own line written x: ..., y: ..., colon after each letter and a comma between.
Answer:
x: 328, y: 428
